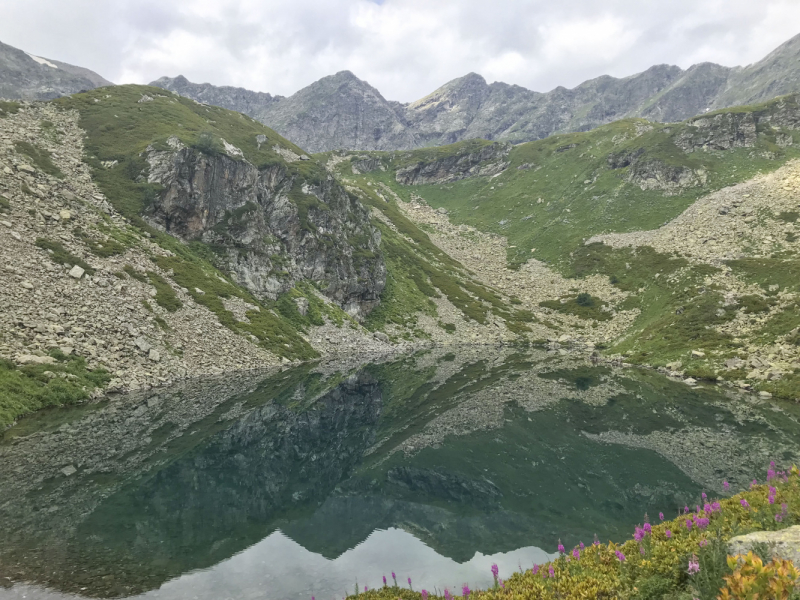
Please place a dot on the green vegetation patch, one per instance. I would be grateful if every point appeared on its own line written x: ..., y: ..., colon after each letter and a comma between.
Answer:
x: 765, y: 272
x: 60, y: 255
x: 165, y: 297
x: 40, y: 157
x: 8, y: 108
x: 28, y: 388
x: 5, y: 205
x: 584, y: 306
x: 104, y: 249
x: 271, y: 331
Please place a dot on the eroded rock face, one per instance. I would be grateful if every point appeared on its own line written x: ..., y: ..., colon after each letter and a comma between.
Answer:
x: 271, y: 229
x: 782, y: 544
x: 457, y: 166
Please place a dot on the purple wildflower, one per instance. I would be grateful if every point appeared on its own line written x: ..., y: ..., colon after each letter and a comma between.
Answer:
x: 703, y: 496
x: 638, y: 534
x: 647, y: 528
x: 641, y: 550
x: 502, y: 585
x: 495, y: 570
x: 424, y: 594
x: 744, y: 503
x: 660, y: 516
x: 596, y: 541
x: 384, y: 581
x: 771, y: 499
x: 694, y: 566
x: 465, y: 591
x: 560, y: 547
x: 366, y: 587
x: 702, y: 522
x: 668, y: 533
x: 703, y: 543
x: 394, y: 578
x: 771, y: 474
x: 620, y: 555
x: 688, y: 524
x: 753, y: 484
x: 447, y: 595
x: 576, y: 554
x: 686, y: 509
x: 535, y: 569
x: 552, y: 571
x: 582, y: 546
x: 726, y: 486
x: 409, y: 582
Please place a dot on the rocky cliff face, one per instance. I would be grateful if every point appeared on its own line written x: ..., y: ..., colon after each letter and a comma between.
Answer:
x: 27, y: 77
x: 343, y: 112
x: 270, y: 227
x: 456, y: 166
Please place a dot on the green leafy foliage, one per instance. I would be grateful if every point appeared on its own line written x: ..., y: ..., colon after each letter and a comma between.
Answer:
x: 8, y: 108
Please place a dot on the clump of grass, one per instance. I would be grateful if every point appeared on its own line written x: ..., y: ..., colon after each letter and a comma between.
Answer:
x: 134, y: 274
x: 5, y: 205
x: 8, y: 108
x: 755, y: 304
x: 165, y: 296
x: 26, y: 389
x: 104, y: 249
x: 60, y: 255
x: 40, y: 157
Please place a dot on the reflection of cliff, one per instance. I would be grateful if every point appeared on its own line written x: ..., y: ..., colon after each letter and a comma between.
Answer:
x: 215, y: 500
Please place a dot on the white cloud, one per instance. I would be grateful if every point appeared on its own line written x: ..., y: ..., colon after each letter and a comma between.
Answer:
x: 405, y: 48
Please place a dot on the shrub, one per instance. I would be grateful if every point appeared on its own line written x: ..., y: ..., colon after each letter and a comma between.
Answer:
x: 584, y: 299
x: 751, y: 578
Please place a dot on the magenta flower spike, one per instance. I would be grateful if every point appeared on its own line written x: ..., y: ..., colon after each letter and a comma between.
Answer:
x: 726, y: 486
x: 576, y: 554
x: 689, y: 524
x: 703, y: 496
x: 495, y: 571
x: 465, y: 591
x: 560, y: 547
x: 535, y: 569
x: 502, y: 585
x: 620, y: 556
x: 447, y: 595
x: 409, y: 582
x: 660, y: 516
x: 668, y: 533
x: 384, y: 581
x: 744, y: 503
x: 694, y: 566
x: 647, y: 528
x: 552, y: 571
x: 582, y: 546
x: 424, y: 594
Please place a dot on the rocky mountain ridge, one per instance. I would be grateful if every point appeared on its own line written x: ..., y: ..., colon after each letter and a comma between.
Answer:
x: 27, y: 77
x: 343, y: 112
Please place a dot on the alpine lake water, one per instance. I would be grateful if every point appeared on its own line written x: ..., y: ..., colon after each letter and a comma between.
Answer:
x: 312, y: 480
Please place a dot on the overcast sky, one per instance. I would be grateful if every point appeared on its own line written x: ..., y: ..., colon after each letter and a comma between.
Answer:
x: 405, y: 48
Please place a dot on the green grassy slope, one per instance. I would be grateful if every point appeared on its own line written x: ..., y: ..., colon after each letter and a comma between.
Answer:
x: 560, y: 191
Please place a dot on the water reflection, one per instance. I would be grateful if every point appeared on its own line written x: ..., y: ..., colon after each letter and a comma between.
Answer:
x: 299, y: 482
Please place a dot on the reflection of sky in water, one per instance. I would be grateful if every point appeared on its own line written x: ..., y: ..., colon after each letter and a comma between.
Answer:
x: 277, y: 568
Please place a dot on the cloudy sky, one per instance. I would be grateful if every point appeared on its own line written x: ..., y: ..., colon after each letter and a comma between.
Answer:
x: 405, y: 48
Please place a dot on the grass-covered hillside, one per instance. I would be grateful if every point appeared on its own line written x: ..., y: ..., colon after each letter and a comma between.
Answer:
x: 693, y: 225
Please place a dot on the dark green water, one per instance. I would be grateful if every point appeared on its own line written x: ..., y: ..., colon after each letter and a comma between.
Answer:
x: 302, y: 482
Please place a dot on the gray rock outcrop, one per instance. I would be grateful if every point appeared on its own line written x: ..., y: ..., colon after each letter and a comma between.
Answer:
x: 782, y: 544
x: 272, y: 228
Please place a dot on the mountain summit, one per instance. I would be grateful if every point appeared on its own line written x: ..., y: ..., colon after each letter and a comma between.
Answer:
x: 343, y: 112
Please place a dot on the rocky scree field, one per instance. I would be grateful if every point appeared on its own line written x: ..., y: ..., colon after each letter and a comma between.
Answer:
x: 671, y: 245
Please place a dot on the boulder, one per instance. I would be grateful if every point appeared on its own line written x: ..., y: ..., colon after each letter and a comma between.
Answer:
x: 782, y: 544
x: 76, y: 272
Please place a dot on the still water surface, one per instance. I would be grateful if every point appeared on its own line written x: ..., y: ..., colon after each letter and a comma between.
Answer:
x: 306, y: 481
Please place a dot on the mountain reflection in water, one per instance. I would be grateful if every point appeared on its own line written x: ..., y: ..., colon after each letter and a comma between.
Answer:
x: 304, y: 481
